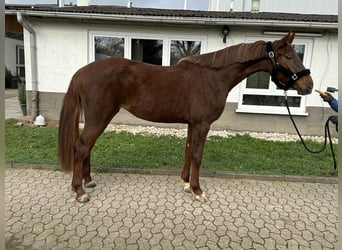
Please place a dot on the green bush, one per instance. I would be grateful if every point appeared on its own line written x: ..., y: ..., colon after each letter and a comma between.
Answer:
x: 21, y: 92
x: 8, y: 78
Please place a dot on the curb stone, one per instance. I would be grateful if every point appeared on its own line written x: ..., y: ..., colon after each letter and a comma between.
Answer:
x: 204, y: 173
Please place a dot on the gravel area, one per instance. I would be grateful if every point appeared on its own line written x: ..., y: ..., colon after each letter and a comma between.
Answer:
x: 222, y: 133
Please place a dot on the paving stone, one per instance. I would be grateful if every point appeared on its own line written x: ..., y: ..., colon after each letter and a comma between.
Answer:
x: 134, y: 211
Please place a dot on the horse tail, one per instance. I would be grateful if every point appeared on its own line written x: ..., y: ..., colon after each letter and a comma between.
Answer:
x: 68, y: 131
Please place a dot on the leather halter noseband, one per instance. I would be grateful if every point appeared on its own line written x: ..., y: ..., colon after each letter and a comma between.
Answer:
x: 279, y: 68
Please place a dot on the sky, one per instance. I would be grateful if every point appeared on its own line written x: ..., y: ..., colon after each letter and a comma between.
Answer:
x: 162, y: 4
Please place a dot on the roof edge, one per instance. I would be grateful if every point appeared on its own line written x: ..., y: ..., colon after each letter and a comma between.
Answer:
x: 178, y: 16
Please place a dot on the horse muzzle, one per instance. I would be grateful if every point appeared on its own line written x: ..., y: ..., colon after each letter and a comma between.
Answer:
x: 304, y: 86
x: 305, y: 90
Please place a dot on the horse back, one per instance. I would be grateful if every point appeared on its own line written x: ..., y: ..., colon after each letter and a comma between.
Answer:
x: 177, y: 93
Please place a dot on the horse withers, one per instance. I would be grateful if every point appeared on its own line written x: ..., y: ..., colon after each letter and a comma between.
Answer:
x: 194, y: 92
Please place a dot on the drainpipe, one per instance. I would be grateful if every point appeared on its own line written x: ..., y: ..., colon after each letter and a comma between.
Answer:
x: 33, y: 58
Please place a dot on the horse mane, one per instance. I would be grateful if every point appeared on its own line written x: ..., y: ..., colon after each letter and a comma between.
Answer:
x: 240, y: 53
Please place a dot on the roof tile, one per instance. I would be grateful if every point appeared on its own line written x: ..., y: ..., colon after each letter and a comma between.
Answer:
x: 119, y: 10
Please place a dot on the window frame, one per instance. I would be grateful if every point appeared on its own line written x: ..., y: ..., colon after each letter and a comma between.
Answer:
x: 272, y: 89
x: 20, y: 65
x: 166, y: 56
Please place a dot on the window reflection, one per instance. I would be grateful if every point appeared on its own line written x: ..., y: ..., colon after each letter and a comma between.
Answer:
x: 300, y: 50
x: 108, y: 46
x: 258, y: 80
x: 147, y: 51
x: 269, y: 100
x: 181, y: 48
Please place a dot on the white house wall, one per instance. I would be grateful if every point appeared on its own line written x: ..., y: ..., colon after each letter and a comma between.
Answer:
x: 324, y: 67
x: 64, y: 48
x: 321, y: 7
x: 328, y: 7
x: 226, y: 5
x: 58, y: 59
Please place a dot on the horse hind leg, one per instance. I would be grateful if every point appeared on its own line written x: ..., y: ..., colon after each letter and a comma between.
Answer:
x: 88, y: 181
x: 81, y: 171
x: 81, y: 196
x: 81, y: 153
x: 93, y: 128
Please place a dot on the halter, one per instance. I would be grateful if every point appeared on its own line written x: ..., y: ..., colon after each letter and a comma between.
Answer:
x: 279, y: 68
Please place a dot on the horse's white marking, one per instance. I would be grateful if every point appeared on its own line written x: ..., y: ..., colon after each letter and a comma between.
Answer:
x: 186, y: 186
x: 83, y: 198
x: 201, y: 198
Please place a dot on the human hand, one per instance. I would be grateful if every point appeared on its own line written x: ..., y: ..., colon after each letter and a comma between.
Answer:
x: 327, y: 97
x: 334, y: 119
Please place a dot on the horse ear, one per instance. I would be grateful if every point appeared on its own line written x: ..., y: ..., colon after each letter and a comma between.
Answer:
x: 290, y: 36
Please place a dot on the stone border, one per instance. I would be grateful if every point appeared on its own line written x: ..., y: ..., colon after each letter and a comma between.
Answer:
x: 204, y: 173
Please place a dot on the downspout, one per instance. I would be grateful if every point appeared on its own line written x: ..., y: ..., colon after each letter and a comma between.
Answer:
x: 33, y: 58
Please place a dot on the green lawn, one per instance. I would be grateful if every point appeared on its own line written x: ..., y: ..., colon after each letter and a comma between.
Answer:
x: 241, y: 154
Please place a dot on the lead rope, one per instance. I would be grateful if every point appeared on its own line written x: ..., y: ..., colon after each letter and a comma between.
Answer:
x: 326, y: 135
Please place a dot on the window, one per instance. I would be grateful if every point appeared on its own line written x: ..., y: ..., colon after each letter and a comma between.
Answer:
x: 261, y: 95
x: 20, y: 61
x: 180, y: 49
x: 163, y: 50
x: 147, y: 50
x: 108, y: 47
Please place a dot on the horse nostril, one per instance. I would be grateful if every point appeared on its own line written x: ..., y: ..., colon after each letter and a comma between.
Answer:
x: 305, y: 90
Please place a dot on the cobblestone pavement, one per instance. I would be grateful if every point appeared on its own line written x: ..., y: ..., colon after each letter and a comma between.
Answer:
x: 134, y: 211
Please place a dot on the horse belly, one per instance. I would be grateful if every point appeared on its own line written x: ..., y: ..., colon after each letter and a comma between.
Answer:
x: 159, y: 94
x: 158, y: 111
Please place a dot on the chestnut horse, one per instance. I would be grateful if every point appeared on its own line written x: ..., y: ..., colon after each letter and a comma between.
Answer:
x: 194, y: 92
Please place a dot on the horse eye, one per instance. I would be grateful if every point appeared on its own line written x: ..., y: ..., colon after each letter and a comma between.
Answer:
x: 288, y: 57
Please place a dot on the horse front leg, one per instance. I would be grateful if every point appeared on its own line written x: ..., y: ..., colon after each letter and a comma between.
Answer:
x: 185, y: 176
x: 199, y: 135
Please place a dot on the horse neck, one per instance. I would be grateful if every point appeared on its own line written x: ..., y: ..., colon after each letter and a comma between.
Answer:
x: 249, y: 68
x: 234, y: 73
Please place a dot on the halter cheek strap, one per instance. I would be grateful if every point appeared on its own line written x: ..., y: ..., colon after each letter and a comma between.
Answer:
x: 279, y: 68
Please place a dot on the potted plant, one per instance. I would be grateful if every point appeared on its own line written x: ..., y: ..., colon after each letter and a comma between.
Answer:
x: 22, y: 96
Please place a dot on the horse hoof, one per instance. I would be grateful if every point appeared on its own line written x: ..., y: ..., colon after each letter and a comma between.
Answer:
x: 83, y: 198
x: 201, y: 198
x: 90, y: 184
x: 186, y: 186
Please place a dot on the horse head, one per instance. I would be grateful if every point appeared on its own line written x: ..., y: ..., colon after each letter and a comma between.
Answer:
x: 288, y: 70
